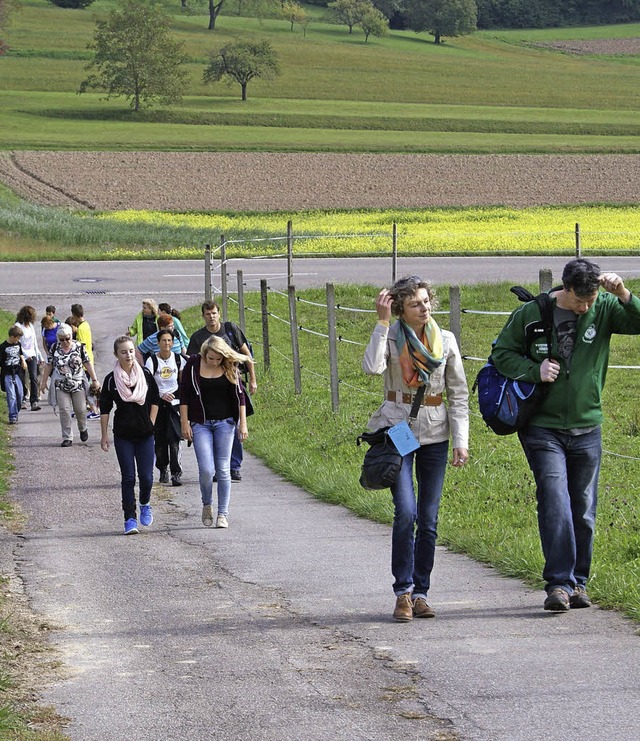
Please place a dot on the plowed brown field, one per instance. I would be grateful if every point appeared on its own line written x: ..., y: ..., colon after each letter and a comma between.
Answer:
x: 263, y: 182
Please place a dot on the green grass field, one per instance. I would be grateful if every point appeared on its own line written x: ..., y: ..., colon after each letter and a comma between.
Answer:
x: 489, y: 92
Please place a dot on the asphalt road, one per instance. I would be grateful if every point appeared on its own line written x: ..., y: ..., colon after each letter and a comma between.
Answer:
x: 279, y: 628
x: 186, y: 277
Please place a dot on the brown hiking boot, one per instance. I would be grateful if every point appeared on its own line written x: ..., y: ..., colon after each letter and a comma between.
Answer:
x: 404, y: 608
x: 557, y: 600
x: 579, y: 598
x: 421, y: 609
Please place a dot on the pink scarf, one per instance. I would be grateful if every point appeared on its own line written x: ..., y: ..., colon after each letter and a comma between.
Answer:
x: 131, y: 387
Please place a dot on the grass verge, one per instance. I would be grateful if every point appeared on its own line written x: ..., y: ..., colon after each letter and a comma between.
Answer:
x: 30, y: 233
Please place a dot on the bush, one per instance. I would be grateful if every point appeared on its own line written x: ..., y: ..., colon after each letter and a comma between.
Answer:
x: 71, y: 3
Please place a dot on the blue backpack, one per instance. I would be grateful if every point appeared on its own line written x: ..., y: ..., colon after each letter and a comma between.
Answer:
x: 507, y: 405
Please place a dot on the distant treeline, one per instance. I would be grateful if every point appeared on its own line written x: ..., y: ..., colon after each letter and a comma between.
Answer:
x: 529, y: 13
x: 547, y: 13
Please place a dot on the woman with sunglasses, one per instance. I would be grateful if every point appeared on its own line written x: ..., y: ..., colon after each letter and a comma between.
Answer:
x: 412, y: 353
x: 66, y: 364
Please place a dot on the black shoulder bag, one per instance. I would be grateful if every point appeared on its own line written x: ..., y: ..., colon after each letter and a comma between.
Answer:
x: 382, y: 462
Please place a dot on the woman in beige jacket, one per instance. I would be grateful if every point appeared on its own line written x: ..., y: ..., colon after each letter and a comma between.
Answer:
x: 411, y: 353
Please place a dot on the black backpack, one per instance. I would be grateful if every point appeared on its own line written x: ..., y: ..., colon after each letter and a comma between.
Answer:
x: 507, y: 405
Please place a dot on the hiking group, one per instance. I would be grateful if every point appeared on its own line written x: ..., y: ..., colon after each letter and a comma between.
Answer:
x: 166, y: 387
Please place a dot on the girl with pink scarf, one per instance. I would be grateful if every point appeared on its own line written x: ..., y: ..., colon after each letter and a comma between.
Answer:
x: 134, y: 392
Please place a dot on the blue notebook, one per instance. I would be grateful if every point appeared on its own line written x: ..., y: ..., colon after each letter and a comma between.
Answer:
x: 402, y: 437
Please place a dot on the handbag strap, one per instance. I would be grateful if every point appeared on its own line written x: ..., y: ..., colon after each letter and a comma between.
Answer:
x: 417, y: 401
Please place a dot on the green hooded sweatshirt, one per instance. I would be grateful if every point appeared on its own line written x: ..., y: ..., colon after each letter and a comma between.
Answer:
x: 574, y: 399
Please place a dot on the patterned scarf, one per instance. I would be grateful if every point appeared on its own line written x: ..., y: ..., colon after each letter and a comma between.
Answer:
x: 131, y: 386
x: 417, y: 360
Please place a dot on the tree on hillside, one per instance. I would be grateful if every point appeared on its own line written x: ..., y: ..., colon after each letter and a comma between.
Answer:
x: 373, y: 22
x: 293, y: 13
x: 442, y: 17
x: 242, y: 60
x: 71, y: 3
x: 349, y: 12
x: 136, y: 57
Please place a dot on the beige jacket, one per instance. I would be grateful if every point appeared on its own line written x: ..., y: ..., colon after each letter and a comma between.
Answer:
x: 434, y: 423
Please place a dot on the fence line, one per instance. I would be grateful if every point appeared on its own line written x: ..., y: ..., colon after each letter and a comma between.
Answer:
x: 290, y: 238
x: 333, y: 379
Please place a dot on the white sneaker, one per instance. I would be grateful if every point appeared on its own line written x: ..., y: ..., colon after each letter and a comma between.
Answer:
x: 222, y: 521
x: 207, y: 515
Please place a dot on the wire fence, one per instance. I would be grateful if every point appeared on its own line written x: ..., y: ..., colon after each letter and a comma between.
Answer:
x: 332, y: 379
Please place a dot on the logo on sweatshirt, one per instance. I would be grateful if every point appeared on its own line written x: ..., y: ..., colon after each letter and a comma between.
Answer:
x: 590, y: 334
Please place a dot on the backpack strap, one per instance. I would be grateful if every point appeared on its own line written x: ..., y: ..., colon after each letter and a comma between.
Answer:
x: 545, y: 304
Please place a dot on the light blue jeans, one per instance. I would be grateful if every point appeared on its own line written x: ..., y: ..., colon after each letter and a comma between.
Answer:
x: 15, y: 393
x: 566, y: 469
x: 212, y: 442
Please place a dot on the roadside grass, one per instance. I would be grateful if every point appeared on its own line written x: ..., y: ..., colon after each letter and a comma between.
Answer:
x: 488, y: 509
x: 323, y: 99
x: 24, y: 659
x: 30, y: 232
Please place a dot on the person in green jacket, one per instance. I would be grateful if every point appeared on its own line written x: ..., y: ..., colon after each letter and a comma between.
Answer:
x: 563, y: 442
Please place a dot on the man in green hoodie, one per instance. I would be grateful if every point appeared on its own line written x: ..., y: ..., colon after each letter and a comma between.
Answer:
x: 563, y: 443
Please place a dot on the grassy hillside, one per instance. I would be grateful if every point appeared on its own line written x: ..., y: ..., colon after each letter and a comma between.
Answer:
x: 490, y: 92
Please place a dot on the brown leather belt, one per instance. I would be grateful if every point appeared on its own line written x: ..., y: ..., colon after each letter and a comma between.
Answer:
x: 427, y: 401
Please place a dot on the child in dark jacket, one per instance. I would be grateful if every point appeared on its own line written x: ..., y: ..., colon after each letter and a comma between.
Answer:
x: 12, y: 370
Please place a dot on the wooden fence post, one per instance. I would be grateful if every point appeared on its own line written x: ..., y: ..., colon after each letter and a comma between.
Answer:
x: 241, y: 310
x: 545, y: 280
x: 289, y: 253
x: 223, y: 278
x: 264, y: 312
x: 455, y: 313
x: 333, y: 346
x: 295, y: 346
x: 578, y: 241
x: 394, y: 253
x: 207, y: 272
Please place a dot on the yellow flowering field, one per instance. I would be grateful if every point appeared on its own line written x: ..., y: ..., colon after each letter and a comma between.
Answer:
x: 485, y: 230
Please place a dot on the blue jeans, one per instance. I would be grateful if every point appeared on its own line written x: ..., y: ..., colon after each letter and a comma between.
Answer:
x: 15, y: 392
x: 132, y: 454
x: 413, y: 550
x: 212, y: 442
x: 566, y: 469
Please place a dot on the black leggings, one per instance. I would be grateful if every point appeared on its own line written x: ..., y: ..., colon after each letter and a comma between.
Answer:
x: 32, y: 367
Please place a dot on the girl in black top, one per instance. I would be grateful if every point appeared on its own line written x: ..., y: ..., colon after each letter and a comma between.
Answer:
x: 134, y: 392
x: 212, y: 401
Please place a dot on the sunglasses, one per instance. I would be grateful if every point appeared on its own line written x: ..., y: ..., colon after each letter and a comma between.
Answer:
x: 64, y: 339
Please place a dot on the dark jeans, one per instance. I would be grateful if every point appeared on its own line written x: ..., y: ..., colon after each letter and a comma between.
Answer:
x: 167, y: 443
x: 32, y: 368
x: 236, y: 453
x: 413, y: 550
x: 134, y: 454
x: 566, y: 469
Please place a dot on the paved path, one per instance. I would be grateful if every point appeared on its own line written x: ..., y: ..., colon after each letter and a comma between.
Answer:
x: 279, y: 627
